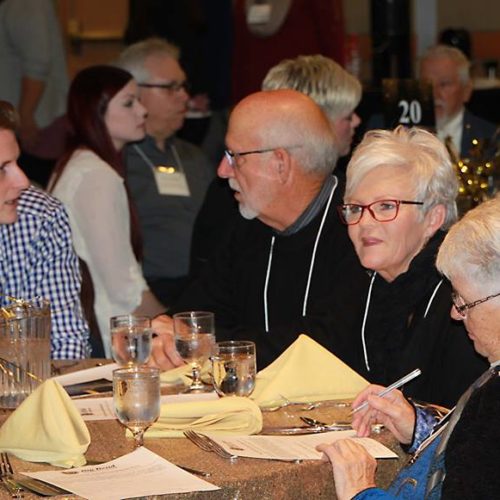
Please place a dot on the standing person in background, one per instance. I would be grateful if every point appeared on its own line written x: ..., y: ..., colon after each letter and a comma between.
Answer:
x: 267, y: 32
x: 33, y: 74
x: 104, y: 113
x: 168, y: 177
x: 448, y: 70
x: 36, y: 252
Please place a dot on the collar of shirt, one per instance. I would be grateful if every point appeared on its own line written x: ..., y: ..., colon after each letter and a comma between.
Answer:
x: 453, y: 128
x: 313, y: 208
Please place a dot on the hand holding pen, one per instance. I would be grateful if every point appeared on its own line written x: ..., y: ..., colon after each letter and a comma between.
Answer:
x: 387, y: 406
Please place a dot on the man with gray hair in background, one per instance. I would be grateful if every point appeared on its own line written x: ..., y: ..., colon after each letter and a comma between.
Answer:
x: 168, y: 177
x: 288, y: 257
x: 448, y: 69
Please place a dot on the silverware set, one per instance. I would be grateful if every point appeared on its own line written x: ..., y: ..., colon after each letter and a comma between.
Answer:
x: 17, y: 484
x: 6, y: 477
x: 207, y: 444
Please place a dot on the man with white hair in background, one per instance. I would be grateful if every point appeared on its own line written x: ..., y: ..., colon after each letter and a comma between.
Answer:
x: 167, y: 176
x: 448, y: 69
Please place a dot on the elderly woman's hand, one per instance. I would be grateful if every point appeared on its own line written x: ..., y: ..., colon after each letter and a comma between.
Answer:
x: 164, y: 355
x: 393, y: 410
x: 353, y: 468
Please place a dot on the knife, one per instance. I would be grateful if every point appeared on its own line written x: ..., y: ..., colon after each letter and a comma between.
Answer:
x: 305, y: 429
x: 39, y: 487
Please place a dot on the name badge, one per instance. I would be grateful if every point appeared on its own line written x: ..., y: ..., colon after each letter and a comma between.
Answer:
x: 259, y: 14
x: 170, y: 182
x: 408, y: 102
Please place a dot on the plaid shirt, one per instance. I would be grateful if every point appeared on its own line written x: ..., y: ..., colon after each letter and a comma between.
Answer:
x: 37, y: 260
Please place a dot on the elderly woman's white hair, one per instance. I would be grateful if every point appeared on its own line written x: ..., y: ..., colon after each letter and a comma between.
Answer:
x: 420, y: 153
x: 472, y: 247
x: 335, y: 90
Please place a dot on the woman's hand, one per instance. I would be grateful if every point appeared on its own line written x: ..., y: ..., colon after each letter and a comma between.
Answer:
x: 164, y: 355
x: 393, y: 410
x: 353, y: 468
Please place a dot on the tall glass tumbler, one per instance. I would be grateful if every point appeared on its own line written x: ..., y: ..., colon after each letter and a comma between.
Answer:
x: 24, y: 349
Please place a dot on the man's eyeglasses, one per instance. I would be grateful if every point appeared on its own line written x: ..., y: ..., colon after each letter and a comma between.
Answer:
x: 381, y: 210
x: 461, y: 307
x: 232, y: 156
x: 171, y: 87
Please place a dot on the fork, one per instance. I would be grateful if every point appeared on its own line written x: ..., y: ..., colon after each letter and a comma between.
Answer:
x: 208, y: 444
x: 6, y: 473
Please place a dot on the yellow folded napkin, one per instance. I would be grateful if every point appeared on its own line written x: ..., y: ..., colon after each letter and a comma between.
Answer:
x: 182, y: 374
x: 46, y: 427
x: 306, y: 371
x: 230, y: 415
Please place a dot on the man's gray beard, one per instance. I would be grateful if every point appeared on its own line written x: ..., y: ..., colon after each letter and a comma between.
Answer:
x: 246, y: 212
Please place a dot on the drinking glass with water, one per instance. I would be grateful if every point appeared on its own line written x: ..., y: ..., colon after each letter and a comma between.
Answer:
x: 234, y: 368
x: 195, y: 341
x: 131, y: 338
x: 136, y: 397
x: 24, y: 348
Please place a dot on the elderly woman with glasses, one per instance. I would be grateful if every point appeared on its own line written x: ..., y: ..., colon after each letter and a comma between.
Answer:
x: 456, y: 457
x: 399, y: 201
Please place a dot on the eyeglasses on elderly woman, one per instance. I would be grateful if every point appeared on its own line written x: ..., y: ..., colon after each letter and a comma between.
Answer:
x: 381, y: 210
x: 462, y: 307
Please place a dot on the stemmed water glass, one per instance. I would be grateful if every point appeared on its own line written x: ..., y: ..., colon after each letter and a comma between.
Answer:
x: 136, y: 397
x: 195, y: 340
x: 131, y: 339
x: 234, y: 368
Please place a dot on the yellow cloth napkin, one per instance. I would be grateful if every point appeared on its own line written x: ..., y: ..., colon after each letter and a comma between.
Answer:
x: 181, y: 374
x: 306, y: 371
x: 230, y: 415
x: 46, y: 427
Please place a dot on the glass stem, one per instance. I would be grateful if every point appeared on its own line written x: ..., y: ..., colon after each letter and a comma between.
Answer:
x: 139, y: 438
x: 196, y: 382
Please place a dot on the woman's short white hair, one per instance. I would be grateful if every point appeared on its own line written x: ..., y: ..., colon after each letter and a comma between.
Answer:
x: 336, y: 91
x: 471, y: 249
x: 417, y: 151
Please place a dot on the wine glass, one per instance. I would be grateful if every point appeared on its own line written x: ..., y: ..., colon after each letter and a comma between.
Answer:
x: 136, y: 397
x: 195, y: 339
x: 234, y: 368
x: 131, y: 338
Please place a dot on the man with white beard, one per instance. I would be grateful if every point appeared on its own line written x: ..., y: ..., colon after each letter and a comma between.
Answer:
x: 448, y: 70
x: 282, y: 267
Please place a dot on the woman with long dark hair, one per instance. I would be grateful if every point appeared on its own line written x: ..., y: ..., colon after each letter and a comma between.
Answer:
x: 104, y: 114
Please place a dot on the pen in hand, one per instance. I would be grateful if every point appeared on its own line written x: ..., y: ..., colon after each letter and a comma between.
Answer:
x: 396, y: 385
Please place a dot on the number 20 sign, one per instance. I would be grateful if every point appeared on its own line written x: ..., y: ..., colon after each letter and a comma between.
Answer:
x: 408, y: 102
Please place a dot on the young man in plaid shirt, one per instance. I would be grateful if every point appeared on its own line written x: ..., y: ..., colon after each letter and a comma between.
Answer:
x: 36, y: 251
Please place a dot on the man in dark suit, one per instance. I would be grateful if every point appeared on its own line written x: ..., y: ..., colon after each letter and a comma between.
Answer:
x: 448, y: 70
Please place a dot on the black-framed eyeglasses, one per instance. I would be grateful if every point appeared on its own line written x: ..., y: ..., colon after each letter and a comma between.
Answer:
x: 462, y: 307
x: 232, y: 156
x: 380, y: 210
x: 171, y: 87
